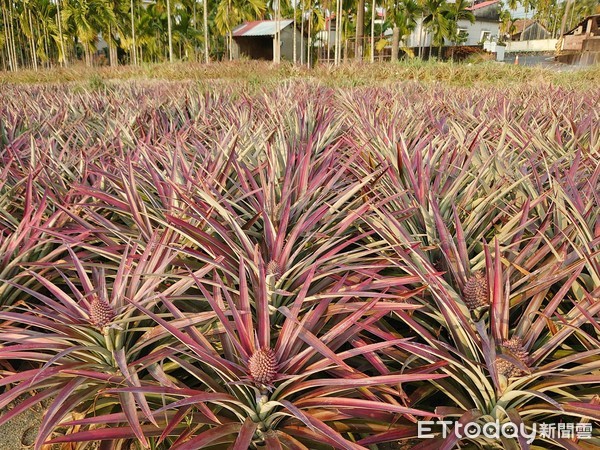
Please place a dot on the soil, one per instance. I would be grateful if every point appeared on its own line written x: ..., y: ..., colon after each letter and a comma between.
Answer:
x: 20, y: 432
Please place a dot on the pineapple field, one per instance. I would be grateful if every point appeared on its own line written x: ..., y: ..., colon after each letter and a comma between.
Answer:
x: 294, y: 265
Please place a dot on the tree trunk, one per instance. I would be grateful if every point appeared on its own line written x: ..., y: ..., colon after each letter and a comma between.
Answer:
x: 346, y: 42
x: 308, y: 56
x: 360, y: 30
x: 338, y: 32
x: 133, y: 44
x: 294, y: 39
x: 395, y: 43
x: 11, y: 62
x: 170, y: 31
x: 12, y: 36
x: 196, y: 56
x: 430, y: 36
x: 277, y: 37
x: 205, y: 25
x: 14, y: 41
x: 46, y: 45
x: 111, y: 48
x: 86, y: 52
x: 302, y: 36
x: 421, y: 44
x: 373, y: 32
x: 63, y: 57
x: 33, y: 48
x: 564, y: 19
x: 571, y: 19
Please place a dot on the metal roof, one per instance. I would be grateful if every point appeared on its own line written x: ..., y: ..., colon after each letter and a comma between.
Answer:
x: 482, y: 5
x: 260, y: 28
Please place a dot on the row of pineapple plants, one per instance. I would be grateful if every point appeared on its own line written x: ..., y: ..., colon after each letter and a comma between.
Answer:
x: 184, y: 267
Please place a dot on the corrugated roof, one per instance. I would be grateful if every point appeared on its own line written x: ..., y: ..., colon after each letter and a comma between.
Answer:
x: 521, y: 24
x: 260, y: 28
x: 482, y: 5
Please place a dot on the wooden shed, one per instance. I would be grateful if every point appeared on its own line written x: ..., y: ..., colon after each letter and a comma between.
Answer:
x: 256, y: 39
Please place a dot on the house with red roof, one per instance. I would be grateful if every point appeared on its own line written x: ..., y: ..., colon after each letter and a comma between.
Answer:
x: 485, y: 28
x: 487, y: 23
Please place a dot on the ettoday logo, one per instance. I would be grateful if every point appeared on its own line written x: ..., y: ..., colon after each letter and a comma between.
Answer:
x: 509, y: 430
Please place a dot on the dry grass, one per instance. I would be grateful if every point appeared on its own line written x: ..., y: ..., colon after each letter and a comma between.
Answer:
x: 346, y: 75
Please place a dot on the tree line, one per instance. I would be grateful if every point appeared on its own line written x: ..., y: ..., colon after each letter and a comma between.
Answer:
x: 48, y: 33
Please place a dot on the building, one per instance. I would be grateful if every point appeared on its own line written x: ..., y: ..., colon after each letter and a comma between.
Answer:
x: 527, y: 30
x: 485, y: 28
x: 256, y: 40
x: 581, y: 45
x: 487, y: 23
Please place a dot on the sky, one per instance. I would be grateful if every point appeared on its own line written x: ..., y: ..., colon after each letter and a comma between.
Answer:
x: 519, y: 12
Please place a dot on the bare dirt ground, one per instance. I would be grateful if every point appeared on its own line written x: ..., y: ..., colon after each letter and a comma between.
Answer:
x: 20, y: 432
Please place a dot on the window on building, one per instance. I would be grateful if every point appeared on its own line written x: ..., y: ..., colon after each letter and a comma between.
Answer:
x: 485, y: 36
x: 462, y: 35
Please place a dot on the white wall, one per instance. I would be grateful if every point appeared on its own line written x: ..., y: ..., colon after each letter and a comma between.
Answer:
x: 413, y: 39
x: 493, y: 47
x: 474, y: 31
x: 537, y: 45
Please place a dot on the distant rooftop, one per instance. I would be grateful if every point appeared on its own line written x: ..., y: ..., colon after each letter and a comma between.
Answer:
x: 260, y: 28
x: 482, y: 5
x: 521, y: 24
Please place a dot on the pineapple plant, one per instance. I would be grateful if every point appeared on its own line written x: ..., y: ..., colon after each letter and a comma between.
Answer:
x: 142, y: 255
